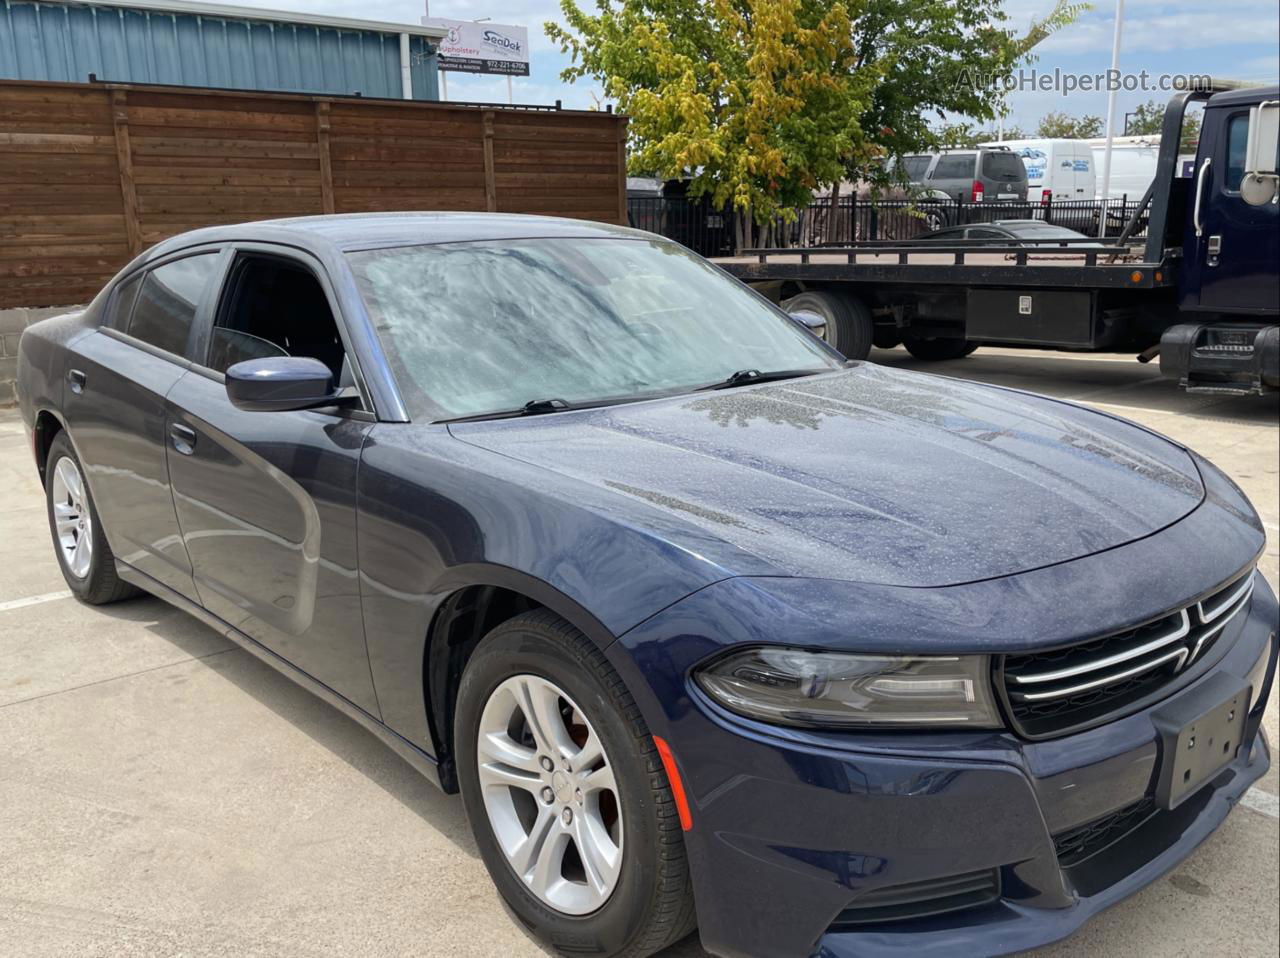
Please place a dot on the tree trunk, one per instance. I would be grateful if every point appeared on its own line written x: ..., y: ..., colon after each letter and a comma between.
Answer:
x: 746, y: 238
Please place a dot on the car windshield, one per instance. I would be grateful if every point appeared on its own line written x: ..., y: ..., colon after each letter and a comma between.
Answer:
x: 479, y: 327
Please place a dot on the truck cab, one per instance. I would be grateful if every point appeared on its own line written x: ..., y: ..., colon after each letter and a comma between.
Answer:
x: 1230, y: 250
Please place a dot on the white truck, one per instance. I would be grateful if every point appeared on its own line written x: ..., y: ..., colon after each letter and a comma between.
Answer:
x: 1057, y: 170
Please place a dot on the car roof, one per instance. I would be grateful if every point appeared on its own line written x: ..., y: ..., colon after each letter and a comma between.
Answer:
x: 354, y: 231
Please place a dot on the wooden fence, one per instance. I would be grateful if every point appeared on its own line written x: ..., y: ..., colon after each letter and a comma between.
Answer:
x: 91, y: 174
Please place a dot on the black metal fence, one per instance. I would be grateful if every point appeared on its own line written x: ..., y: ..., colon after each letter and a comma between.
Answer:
x: 713, y: 232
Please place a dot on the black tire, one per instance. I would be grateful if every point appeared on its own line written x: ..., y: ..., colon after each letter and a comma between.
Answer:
x: 100, y: 584
x: 651, y: 906
x: 934, y: 350
x: 850, y: 328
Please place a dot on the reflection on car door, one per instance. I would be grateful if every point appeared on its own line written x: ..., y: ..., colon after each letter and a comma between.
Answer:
x: 118, y: 377
x: 267, y: 500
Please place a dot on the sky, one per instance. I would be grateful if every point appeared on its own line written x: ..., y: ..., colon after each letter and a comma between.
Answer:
x: 1236, y: 39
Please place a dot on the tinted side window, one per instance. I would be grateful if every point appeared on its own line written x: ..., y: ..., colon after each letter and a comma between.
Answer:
x: 122, y: 303
x: 959, y: 167
x: 1237, y: 143
x: 915, y: 167
x: 1002, y: 166
x: 167, y: 304
x: 273, y: 307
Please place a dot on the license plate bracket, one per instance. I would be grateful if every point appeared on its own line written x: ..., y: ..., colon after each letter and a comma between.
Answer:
x: 1200, y: 735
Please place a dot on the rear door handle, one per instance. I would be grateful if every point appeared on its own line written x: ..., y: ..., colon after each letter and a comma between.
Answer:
x: 183, y: 437
x: 77, y: 380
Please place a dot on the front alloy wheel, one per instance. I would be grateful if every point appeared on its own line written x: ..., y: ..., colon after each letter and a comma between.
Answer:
x: 550, y: 794
x: 567, y: 795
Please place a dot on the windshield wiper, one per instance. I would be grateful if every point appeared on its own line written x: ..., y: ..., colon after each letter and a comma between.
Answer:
x: 534, y: 407
x: 748, y: 377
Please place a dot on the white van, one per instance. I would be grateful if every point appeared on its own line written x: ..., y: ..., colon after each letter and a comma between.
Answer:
x: 1133, y: 164
x: 1057, y: 169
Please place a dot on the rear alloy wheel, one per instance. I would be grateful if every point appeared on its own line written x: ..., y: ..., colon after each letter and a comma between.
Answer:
x: 566, y: 794
x: 72, y: 522
x: 86, y: 561
x: 937, y: 349
x: 850, y: 328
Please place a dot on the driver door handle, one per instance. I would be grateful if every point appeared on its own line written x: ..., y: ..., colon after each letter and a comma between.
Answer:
x: 1195, y: 207
x: 183, y: 437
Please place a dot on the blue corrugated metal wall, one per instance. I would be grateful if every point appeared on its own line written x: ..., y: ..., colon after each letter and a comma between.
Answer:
x: 48, y: 41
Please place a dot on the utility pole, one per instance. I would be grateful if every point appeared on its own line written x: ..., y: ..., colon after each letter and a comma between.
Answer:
x: 1111, y: 117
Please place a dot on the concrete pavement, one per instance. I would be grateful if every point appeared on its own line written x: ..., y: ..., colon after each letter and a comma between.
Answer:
x: 162, y: 792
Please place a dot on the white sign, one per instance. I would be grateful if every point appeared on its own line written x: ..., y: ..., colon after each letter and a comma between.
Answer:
x: 482, y: 47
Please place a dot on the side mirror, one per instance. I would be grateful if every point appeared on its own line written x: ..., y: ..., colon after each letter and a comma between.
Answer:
x: 811, y: 322
x: 1261, y: 178
x: 280, y: 383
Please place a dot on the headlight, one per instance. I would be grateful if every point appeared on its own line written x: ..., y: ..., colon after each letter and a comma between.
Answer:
x: 796, y: 687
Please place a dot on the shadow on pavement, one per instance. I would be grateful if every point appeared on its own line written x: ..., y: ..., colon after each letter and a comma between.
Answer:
x: 327, y: 727
x: 318, y: 720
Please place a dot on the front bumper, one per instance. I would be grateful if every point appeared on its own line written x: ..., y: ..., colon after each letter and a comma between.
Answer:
x: 790, y: 828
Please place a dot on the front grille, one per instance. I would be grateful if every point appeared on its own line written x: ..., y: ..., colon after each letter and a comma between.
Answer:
x: 1062, y: 690
x: 1084, y: 841
x: 921, y: 898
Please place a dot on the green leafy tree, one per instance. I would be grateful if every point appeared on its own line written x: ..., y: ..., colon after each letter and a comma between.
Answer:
x: 964, y: 135
x: 1145, y: 120
x: 1148, y: 120
x: 1190, y: 138
x: 756, y: 102
x: 1062, y: 126
x: 760, y: 102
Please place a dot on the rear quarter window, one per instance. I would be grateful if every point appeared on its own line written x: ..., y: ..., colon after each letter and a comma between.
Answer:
x: 121, y: 304
x: 1002, y: 166
x: 958, y: 167
x: 915, y: 167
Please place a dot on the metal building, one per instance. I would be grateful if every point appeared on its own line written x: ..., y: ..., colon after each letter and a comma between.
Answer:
x: 212, y: 45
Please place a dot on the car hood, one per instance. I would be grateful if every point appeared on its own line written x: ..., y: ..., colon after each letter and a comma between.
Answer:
x: 870, y: 474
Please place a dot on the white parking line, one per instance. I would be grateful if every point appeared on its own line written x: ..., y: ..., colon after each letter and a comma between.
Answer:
x: 34, y: 600
x: 1261, y: 801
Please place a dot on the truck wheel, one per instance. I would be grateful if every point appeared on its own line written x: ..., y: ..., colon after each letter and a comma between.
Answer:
x: 936, y: 349
x: 849, y: 325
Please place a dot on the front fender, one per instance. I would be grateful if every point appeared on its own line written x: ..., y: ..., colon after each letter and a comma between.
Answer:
x: 437, y: 515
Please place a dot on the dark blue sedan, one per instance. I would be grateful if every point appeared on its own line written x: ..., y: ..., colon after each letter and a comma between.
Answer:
x: 707, y: 625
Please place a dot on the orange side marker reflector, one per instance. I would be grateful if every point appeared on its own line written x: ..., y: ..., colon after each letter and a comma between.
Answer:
x: 1136, y: 276
x: 677, y: 786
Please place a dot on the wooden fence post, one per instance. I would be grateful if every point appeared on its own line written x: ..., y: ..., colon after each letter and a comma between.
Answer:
x: 124, y: 161
x: 326, y: 164
x: 490, y: 176
x: 622, y: 171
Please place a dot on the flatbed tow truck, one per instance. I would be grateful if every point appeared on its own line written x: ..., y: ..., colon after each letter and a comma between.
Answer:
x: 1201, y: 291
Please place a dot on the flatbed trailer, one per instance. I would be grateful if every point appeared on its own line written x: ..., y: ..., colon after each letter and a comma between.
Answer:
x: 1165, y: 295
